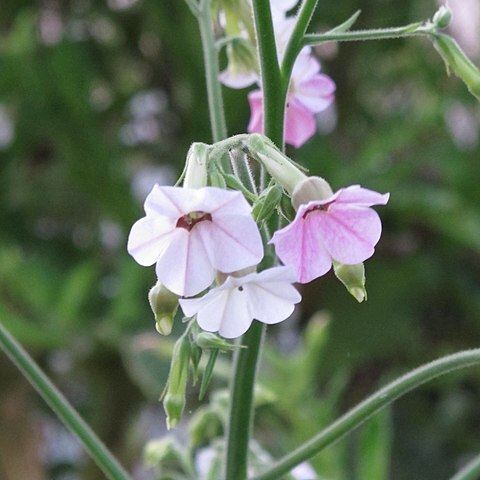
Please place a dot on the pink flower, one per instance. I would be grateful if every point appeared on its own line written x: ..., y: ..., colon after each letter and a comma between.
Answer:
x: 192, y: 233
x: 230, y: 309
x: 341, y: 227
x: 310, y: 92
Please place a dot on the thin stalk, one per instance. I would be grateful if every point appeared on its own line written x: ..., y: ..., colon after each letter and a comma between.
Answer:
x: 62, y: 408
x: 212, y: 70
x: 352, y: 419
x: 241, y: 403
x: 246, y: 360
x: 273, y: 103
x: 471, y: 471
x: 415, y: 29
x: 295, y: 42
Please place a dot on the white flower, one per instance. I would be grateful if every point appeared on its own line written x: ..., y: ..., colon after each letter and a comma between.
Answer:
x: 229, y: 309
x: 192, y: 233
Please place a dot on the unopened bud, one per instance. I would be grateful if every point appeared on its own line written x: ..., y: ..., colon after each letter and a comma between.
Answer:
x: 197, y: 164
x: 164, y: 305
x: 207, y: 340
x: 174, y: 401
x: 279, y: 166
x: 311, y: 188
x: 353, y: 277
x: 203, y: 426
x: 456, y: 61
x: 442, y: 17
x: 242, y: 67
x: 158, y: 451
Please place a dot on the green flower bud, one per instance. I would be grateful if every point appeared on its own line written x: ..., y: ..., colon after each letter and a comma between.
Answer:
x: 353, y: 277
x: 197, y: 165
x: 159, y: 451
x: 311, y: 188
x: 456, y: 61
x: 174, y: 401
x: 207, y: 340
x: 205, y: 425
x: 280, y: 167
x: 164, y: 305
x: 442, y: 17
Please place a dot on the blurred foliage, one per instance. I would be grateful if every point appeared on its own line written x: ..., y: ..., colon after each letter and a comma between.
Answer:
x: 98, y: 100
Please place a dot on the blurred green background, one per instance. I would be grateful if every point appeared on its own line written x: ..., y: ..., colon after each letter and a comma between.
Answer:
x: 101, y: 99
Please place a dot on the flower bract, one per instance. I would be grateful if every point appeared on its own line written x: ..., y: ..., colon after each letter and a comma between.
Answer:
x: 192, y: 233
x: 340, y: 227
x: 229, y: 309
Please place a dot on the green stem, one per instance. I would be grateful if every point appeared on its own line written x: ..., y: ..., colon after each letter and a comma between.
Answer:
x: 247, y: 359
x: 295, y: 42
x: 273, y: 103
x: 415, y: 29
x: 212, y: 70
x: 352, y: 419
x: 471, y: 471
x: 58, y: 403
x: 241, y: 403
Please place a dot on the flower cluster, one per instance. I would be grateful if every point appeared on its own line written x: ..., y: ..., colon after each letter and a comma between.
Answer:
x: 310, y: 92
x: 205, y: 238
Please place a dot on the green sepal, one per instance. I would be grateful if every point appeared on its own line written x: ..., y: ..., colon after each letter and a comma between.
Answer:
x: 207, y: 374
x: 353, y: 277
x: 267, y: 202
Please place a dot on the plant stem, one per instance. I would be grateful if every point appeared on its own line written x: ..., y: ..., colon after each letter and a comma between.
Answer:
x: 471, y: 471
x: 241, y: 403
x: 415, y: 29
x: 62, y: 408
x: 352, y: 419
x: 273, y: 103
x: 247, y: 359
x: 295, y: 42
x: 212, y: 70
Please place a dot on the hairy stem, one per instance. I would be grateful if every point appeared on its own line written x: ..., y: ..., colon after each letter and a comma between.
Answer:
x: 212, y: 70
x: 62, y: 408
x: 352, y: 419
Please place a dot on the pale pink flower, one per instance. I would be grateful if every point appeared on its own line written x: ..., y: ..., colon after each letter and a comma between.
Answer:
x: 341, y: 227
x: 192, y: 233
x: 230, y: 309
x: 310, y: 92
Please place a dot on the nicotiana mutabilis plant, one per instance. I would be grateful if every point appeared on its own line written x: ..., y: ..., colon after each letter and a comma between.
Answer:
x: 247, y: 224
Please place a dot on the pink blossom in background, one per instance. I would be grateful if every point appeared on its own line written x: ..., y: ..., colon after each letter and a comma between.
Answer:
x: 192, y: 233
x: 310, y: 92
x: 230, y: 309
x: 341, y: 227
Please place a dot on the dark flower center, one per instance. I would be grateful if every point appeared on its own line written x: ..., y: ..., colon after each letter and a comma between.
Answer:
x: 316, y: 208
x: 191, y: 219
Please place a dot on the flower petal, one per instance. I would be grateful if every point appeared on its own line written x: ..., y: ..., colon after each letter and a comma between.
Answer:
x: 255, y: 99
x: 184, y: 267
x: 237, y: 78
x: 361, y: 196
x: 299, y: 123
x: 306, y: 67
x: 348, y: 233
x: 166, y: 202
x: 148, y: 237
x: 316, y: 94
x: 299, y: 245
x: 232, y: 244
